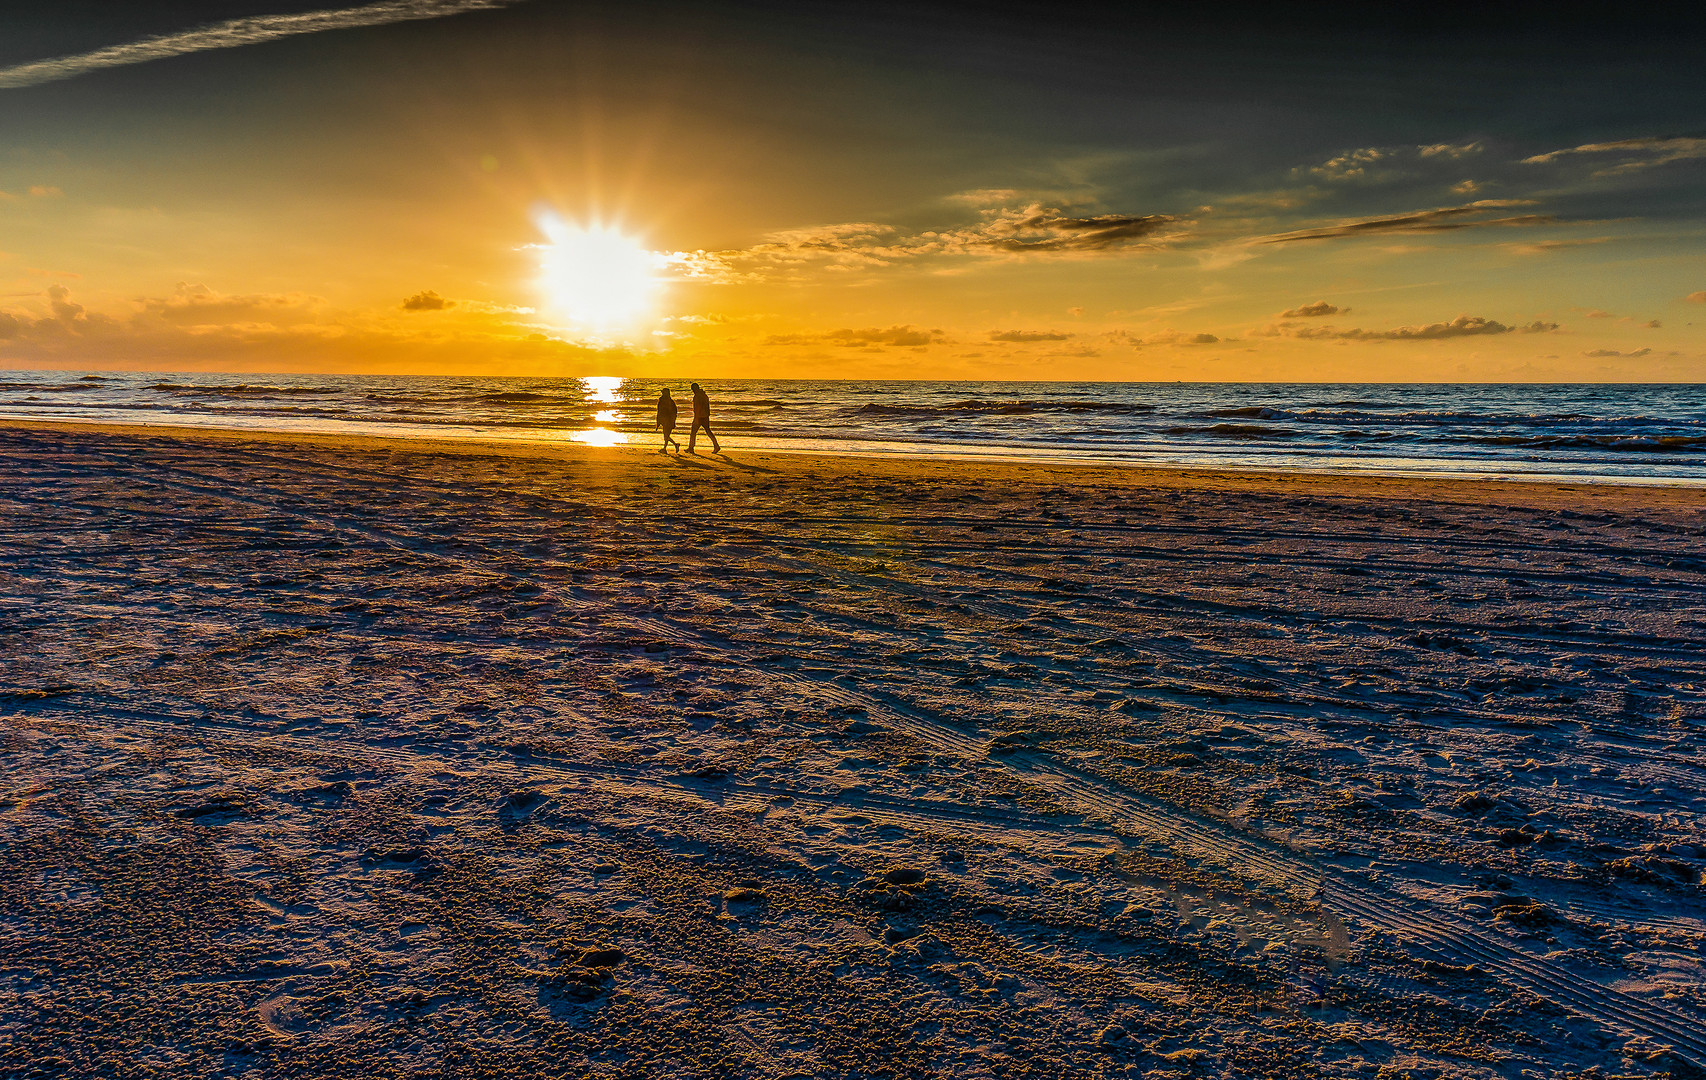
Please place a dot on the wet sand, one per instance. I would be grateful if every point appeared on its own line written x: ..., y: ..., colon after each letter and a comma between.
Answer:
x: 327, y: 755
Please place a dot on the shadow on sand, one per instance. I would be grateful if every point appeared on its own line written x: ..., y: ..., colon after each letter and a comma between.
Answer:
x: 709, y: 461
x: 744, y: 466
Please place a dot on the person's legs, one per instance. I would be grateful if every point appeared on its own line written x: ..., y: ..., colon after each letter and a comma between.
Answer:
x: 716, y: 447
x: 693, y: 435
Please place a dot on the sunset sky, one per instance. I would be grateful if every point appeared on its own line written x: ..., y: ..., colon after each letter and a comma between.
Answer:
x: 854, y: 191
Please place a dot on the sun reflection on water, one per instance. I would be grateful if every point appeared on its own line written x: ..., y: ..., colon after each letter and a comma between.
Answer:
x: 601, y: 387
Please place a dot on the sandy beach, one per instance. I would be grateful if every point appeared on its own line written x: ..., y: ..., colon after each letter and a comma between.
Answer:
x: 338, y: 756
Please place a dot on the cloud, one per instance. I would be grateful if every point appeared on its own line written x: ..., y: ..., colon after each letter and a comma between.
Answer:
x: 65, y: 319
x: 59, y: 302
x: 985, y: 196
x: 843, y: 246
x: 1314, y: 311
x: 196, y: 328
x: 234, y: 33
x: 1642, y: 153
x: 1031, y: 229
x: 1543, y: 247
x: 1449, y: 151
x: 1462, y: 326
x: 1596, y: 313
x: 1352, y: 165
x: 198, y: 305
x: 1028, y: 335
x: 1630, y: 355
x: 1696, y: 297
x: 870, y: 337
x: 1381, y: 163
x: 894, y: 335
x: 1165, y: 337
x: 1445, y: 219
x: 1037, y: 228
x: 427, y: 301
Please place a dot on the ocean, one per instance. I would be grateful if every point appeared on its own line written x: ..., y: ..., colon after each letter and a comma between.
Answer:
x: 1604, y: 433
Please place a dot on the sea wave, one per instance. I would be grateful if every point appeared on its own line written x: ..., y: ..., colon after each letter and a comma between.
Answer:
x: 1251, y: 412
x: 1637, y: 443
x: 1374, y: 415
x: 1003, y: 408
x: 1235, y: 431
x: 529, y: 397
x: 239, y: 390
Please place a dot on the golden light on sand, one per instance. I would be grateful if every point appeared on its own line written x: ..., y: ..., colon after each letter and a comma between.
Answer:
x: 598, y: 437
x: 598, y: 278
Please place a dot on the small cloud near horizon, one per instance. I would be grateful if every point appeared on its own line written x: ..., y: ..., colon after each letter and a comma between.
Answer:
x: 1029, y: 335
x: 1462, y: 326
x: 870, y: 337
x: 427, y: 300
x: 1318, y: 309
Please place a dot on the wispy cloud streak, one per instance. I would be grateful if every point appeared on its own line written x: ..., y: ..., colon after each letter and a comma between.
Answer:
x: 235, y: 33
x: 1446, y: 219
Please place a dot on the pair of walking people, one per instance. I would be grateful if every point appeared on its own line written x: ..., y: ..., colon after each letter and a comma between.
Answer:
x: 701, y: 419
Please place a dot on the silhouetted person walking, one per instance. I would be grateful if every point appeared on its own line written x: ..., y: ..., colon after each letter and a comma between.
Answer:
x: 666, y: 422
x: 701, y: 419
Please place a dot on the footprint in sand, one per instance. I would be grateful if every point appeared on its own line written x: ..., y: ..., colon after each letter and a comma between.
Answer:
x: 283, y: 1015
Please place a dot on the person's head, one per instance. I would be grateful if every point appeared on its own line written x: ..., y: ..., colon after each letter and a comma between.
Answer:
x: 666, y: 391
x: 695, y: 386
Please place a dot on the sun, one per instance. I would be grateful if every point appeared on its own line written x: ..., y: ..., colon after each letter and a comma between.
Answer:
x: 597, y: 277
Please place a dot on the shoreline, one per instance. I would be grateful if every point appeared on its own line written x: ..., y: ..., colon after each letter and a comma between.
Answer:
x: 1624, y: 492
